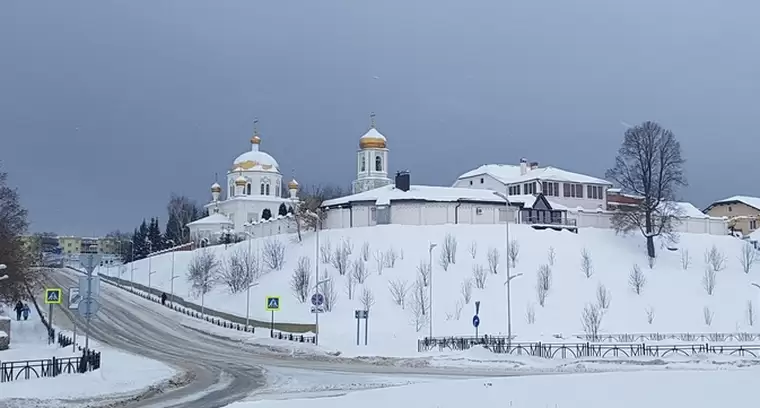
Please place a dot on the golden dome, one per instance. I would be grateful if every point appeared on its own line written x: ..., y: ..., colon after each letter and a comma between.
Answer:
x: 256, y: 140
x: 372, y: 140
x: 293, y: 185
x: 216, y: 188
x: 241, y: 181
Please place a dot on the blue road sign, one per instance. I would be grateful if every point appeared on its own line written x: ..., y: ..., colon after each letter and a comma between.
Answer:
x: 273, y: 303
x: 475, y: 321
x: 317, y: 299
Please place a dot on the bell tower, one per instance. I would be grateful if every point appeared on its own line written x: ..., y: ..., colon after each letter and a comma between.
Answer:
x: 372, y: 160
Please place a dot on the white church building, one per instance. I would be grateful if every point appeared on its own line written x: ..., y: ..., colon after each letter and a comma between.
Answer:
x: 252, y: 195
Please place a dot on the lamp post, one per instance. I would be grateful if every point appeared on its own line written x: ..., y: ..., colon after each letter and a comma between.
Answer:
x: 431, y: 246
x: 132, y: 267
x: 248, y: 304
x: 171, y: 283
x: 508, y: 280
x: 316, y: 314
x: 317, y: 226
x: 150, y: 263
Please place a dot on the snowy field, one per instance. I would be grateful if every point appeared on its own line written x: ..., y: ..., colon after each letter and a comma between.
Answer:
x: 121, y: 373
x: 662, y: 389
x: 672, y: 297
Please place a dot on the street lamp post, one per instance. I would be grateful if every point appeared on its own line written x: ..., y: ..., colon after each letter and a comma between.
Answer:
x: 171, y: 284
x: 317, y: 226
x: 150, y: 263
x: 248, y: 305
x: 508, y: 280
x: 431, y: 246
x: 132, y: 267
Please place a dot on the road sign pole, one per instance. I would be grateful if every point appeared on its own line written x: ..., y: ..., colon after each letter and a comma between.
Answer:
x: 357, y: 329
x: 89, y: 314
x: 74, y: 343
x: 50, y: 322
x: 366, y: 327
x: 271, y: 326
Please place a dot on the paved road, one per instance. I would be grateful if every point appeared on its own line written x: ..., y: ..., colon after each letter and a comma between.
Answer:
x: 220, y: 371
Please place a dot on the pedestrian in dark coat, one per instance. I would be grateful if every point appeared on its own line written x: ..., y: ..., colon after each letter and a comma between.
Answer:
x: 19, y: 308
x: 163, y: 298
x: 26, y: 311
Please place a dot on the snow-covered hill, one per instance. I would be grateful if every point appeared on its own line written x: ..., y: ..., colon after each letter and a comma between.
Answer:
x: 672, y: 298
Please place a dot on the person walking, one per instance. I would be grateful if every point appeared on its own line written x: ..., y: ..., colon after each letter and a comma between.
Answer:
x: 163, y: 298
x: 26, y: 311
x: 19, y: 308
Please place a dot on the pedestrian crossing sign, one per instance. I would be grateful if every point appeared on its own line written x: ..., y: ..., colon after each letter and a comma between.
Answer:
x: 273, y: 303
x: 53, y: 296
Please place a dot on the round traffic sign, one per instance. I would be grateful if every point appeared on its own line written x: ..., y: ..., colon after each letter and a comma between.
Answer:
x: 317, y: 299
x: 475, y: 321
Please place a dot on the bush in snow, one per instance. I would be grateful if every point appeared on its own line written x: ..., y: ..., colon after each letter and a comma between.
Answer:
x: 709, y: 279
x: 390, y: 258
x: 449, y: 250
x: 367, y: 299
x: 551, y: 255
x: 239, y: 270
x: 636, y: 279
x: 350, y: 286
x: 200, y: 271
x: 273, y: 254
x: 399, y: 289
x: 715, y: 259
x: 419, y: 306
x: 493, y: 260
x: 301, y: 278
x: 339, y: 258
x: 708, y: 315
x: 748, y: 257
x: 423, y: 272
x: 603, y: 297
x: 325, y: 252
x: 650, y: 314
x: 586, y: 266
x: 479, y: 275
x: 365, y: 251
x: 379, y: 261
x: 543, y: 283
x: 591, y: 319
x: 750, y: 313
x: 444, y: 261
x: 530, y: 313
x: 513, y: 251
x: 457, y: 314
x: 685, y: 259
x: 473, y: 249
x: 330, y: 293
x: 359, y: 270
x: 467, y: 290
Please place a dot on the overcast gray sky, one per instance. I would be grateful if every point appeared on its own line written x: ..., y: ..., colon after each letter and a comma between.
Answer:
x: 106, y: 107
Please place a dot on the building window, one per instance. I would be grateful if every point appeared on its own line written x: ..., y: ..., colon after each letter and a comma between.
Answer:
x: 373, y: 213
x: 262, y: 189
x: 595, y: 192
x: 514, y: 190
x: 572, y: 190
x: 267, y: 189
x: 729, y: 208
x: 470, y: 182
x: 378, y: 163
x: 529, y: 188
x: 753, y: 224
x: 550, y: 188
x: 481, y: 180
x: 248, y: 189
x: 363, y: 163
x: 478, y: 211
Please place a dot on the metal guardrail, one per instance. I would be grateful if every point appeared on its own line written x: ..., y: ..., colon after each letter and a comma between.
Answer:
x: 580, y: 350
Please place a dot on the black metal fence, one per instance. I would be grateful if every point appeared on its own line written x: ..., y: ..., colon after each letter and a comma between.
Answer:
x: 691, y: 337
x: 50, y: 367
x: 580, y: 350
x: 229, y: 321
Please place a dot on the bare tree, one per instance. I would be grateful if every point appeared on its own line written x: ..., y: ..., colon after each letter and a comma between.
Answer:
x: 273, y: 254
x: 591, y: 319
x: 685, y: 259
x: 636, y: 279
x: 339, y: 258
x: 750, y: 313
x: 201, y: 270
x: 467, y: 290
x: 457, y: 313
x: 401, y: 254
x: 709, y: 279
x: 13, y: 253
x: 649, y: 165
x: 748, y: 257
x: 473, y: 249
x: 379, y: 261
x: 182, y: 211
x: 448, y: 251
x: 443, y: 260
x: 603, y: 297
x: 530, y: 313
x: 301, y: 279
x: 423, y: 272
x: 513, y: 251
x: 650, y: 314
x: 479, y: 275
x: 419, y: 306
x: 365, y: 251
x: 350, y: 286
x: 551, y: 256
x: 715, y: 259
x: 239, y: 270
x: 309, y: 214
x: 390, y: 258
x: 325, y: 252
x: 399, y: 289
x: 367, y: 299
x: 587, y: 266
x: 330, y: 293
x: 708, y: 315
x: 359, y: 270
x: 493, y: 260
x: 543, y: 283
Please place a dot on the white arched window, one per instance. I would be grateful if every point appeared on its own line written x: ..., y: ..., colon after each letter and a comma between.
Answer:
x: 248, y: 189
x: 262, y: 188
x: 267, y: 188
x: 378, y: 163
x: 363, y: 163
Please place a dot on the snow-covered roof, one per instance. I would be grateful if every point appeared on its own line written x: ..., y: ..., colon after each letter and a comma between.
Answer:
x: 213, y: 219
x: 384, y: 195
x: 507, y: 174
x: 689, y: 210
x: 750, y: 201
x: 372, y: 133
x: 528, y: 200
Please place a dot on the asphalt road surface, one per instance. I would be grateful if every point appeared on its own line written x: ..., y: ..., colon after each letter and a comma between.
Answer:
x: 219, y: 371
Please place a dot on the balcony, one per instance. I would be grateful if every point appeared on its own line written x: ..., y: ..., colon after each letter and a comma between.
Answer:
x: 548, y: 219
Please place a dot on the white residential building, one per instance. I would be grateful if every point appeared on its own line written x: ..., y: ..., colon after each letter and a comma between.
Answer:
x: 572, y: 190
